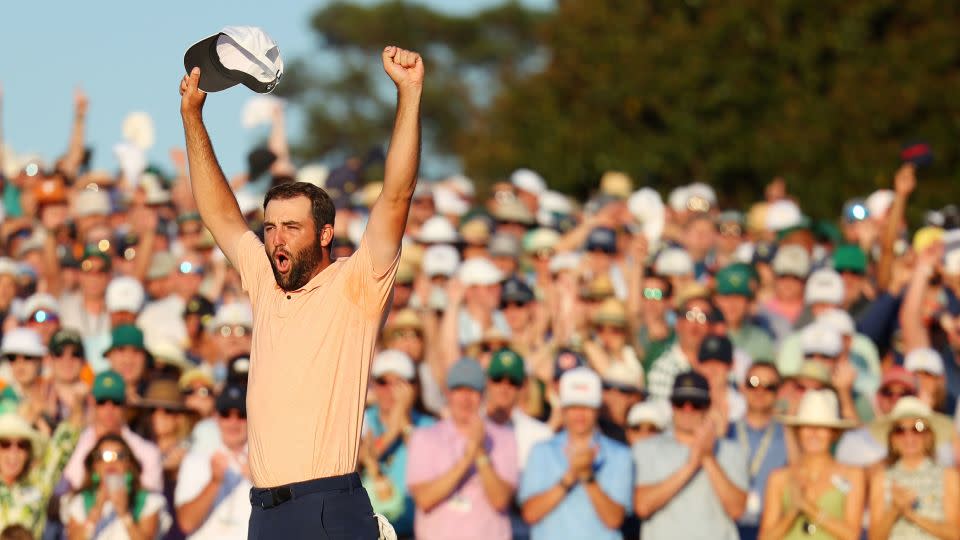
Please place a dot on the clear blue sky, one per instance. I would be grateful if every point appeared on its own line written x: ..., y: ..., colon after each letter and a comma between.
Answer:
x: 128, y: 56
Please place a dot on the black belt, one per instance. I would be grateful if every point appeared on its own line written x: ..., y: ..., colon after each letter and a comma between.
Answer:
x: 275, y: 496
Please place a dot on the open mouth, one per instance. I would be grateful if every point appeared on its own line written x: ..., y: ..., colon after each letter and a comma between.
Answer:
x: 283, y: 262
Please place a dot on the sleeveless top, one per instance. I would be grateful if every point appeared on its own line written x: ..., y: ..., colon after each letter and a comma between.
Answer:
x: 831, y: 502
x: 927, y: 482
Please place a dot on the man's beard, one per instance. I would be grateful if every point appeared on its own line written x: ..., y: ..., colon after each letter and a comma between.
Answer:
x: 302, y: 264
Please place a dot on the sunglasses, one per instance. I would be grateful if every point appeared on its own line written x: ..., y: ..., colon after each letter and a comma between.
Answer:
x: 232, y: 413
x: 22, y: 444
x: 42, y: 316
x: 508, y: 305
x: 167, y: 410
x: 889, y: 393
x: 486, y: 347
x: 756, y: 384
x: 651, y: 293
x: 187, y: 267
x: 406, y: 334
x: 114, y: 402
x: 914, y: 427
x: 203, y: 391
x: 644, y: 428
x: 696, y: 404
x: 696, y: 315
x: 20, y: 357
x: 503, y: 378
x: 609, y: 328
x: 235, y: 331
x: 110, y: 456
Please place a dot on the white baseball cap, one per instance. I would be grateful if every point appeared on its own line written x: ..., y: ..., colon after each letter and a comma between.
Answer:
x: 124, y: 293
x: 38, y: 302
x: 783, y: 214
x: 792, y: 260
x: 22, y: 341
x: 437, y: 230
x: 673, y: 261
x: 924, y: 359
x: 91, y: 202
x: 236, y: 55
x: 448, y: 202
x: 440, y: 260
x: 529, y: 181
x: 479, y: 271
x: 649, y: 412
x: 839, y: 320
x: 879, y: 202
x: 233, y: 314
x: 580, y: 387
x: 818, y: 338
x: 393, y: 361
x: 825, y: 286
x: 567, y: 260
x: 8, y: 267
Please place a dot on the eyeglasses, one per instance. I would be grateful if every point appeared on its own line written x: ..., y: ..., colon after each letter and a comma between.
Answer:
x: 644, y: 428
x: 914, y: 427
x: 22, y: 444
x: 110, y: 456
x: 755, y: 383
x: 20, y: 357
x: 235, y: 331
x: 42, y: 316
x: 240, y: 415
x: 543, y: 254
x: 203, y: 391
x: 503, y: 378
x: 651, y: 293
x: 696, y: 315
x: 679, y: 403
x: 890, y: 393
x: 114, y: 402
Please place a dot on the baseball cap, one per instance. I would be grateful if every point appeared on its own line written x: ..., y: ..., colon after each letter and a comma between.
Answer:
x: 238, y: 369
x: 237, y: 54
x: 91, y: 252
x: 199, y: 305
x: 507, y: 363
x: 839, y: 319
x: 124, y: 293
x: 504, y: 245
x: 395, y: 362
x: 849, y: 258
x: 924, y: 360
x: 673, y: 262
x: 24, y: 341
x: 566, y: 360
x: 529, y: 181
x: 616, y: 184
x: 691, y: 386
x: 63, y: 337
x: 791, y: 260
x: 825, y: 286
x: 515, y: 290
x: 602, y: 239
x: 479, y: 271
x: 126, y: 335
x: 437, y: 230
x: 612, y: 312
x: 812, y: 370
x: 476, y: 231
x: 819, y: 338
x: 232, y: 314
x: 855, y: 210
x: 540, y: 239
x: 581, y: 387
x: 562, y: 262
x: 625, y: 376
x: 466, y: 373
x: 718, y: 348
x: 39, y: 307
x: 233, y: 396
x: 649, y: 412
x: 511, y: 210
x: 440, y: 260
x: 109, y: 385
x: 734, y: 280
x: 899, y: 375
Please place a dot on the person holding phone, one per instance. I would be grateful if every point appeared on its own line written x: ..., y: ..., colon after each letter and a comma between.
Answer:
x: 111, y: 504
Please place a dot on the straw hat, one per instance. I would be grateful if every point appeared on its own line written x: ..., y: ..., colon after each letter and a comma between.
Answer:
x: 910, y: 407
x: 163, y: 394
x: 612, y: 312
x: 13, y: 426
x: 819, y: 408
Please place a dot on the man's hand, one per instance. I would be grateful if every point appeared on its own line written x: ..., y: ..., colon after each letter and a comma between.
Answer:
x: 843, y: 376
x: 905, y: 180
x: 581, y: 459
x: 192, y: 97
x: 476, y: 435
x: 80, y: 102
x: 404, y: 67
x: 219, y: 464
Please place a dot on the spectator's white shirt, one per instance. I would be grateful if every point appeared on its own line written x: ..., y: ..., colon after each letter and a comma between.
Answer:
x: 163, y: 320
x: 95, y: 330
x: 111, y: 527
x: 528, y: 432
x: 230, y: 514
x: 430, y: 390
x: 205, y: 436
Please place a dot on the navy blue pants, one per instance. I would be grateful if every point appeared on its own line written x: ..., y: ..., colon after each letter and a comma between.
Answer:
x: 331, y: 508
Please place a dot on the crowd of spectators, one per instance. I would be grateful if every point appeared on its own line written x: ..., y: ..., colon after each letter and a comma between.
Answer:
x: 622, y: 366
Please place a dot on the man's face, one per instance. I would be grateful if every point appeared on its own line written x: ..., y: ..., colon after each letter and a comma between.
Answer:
x: 129, y: 362
x: 655, y: 297
x: 67, y: 365
x: 715, y: 371
x: 464, y: 404
x: 699, y: 237
x: 233, y: 340
x: 579, y: 420
x: 233, y: 428
x: 692, y: 323
x: 487, y: 296
x: 108, y: 416
x: 25, y: 369
x: 291, y: 241
x: 888, y: 395
x: 733, y: 306
x: 617, y: 403
x: 94, y: 277
x: 788, y: 288
x: 408, y: 340
x: 502, y: 393
x: 852, y: 285
x: 518, y: 315
x: 688, y: 415
x: 760, y: 388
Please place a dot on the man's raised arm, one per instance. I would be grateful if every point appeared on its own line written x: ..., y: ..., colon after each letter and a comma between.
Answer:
x: 215, y: 200
x: 388, y: 217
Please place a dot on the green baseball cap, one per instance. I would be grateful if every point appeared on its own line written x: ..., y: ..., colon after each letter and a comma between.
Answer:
x: 849, y: 258
x: 735, y: 280
x: 507, y: 363
x: 126, y: 335
x: 109, y: 385
x: 94, y: 251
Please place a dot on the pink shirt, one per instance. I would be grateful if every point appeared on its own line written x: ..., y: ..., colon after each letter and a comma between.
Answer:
x: 147, y: 453
x: 310, y: 363
x: 466, y: 514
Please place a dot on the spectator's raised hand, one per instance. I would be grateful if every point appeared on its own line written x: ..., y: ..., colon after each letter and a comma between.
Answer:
x: 80, y: 102
x: 404, y: 67
x: 905, y: 180
x: 192, y: 97
x: 843, y: 376
x: 219, y: 464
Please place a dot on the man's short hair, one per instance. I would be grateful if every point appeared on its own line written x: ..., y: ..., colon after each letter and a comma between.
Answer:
x: 321, y: 205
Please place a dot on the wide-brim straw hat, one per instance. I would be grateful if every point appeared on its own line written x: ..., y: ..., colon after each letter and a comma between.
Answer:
x: 911, y: 407
x: 163, y: 394
x: 818, y: 408
x: 13, y: 426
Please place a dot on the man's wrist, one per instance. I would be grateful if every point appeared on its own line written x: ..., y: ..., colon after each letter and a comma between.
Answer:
x: 482, y: 460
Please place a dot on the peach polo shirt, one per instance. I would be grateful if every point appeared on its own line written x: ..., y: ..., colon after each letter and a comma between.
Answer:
x: 310, y: 363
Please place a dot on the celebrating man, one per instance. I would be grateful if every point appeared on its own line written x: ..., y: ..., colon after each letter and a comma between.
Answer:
x: 315, y: 321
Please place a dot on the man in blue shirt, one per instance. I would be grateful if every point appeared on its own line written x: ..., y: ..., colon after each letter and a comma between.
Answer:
x: 761, y: 438
x: 578, y: 483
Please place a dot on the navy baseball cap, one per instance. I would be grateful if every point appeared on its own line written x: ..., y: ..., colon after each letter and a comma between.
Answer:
x: 718, y: 348
x: 602, y: 239
x: 691, y: 386
x: 233, y: 396
x: 515, y: 290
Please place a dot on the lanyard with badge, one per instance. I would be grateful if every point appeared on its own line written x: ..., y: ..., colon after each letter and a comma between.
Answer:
x: 754, y: 503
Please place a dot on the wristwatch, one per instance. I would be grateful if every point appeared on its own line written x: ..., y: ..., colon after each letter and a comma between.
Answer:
x: 482, y: 460
x: 587, y: 478
x: 567, y: 486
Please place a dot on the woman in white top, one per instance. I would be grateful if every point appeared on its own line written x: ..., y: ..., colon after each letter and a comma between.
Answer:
x: 111, y: 505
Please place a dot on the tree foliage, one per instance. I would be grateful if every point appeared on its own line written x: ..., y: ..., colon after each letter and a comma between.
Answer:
x: 823, y: 93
